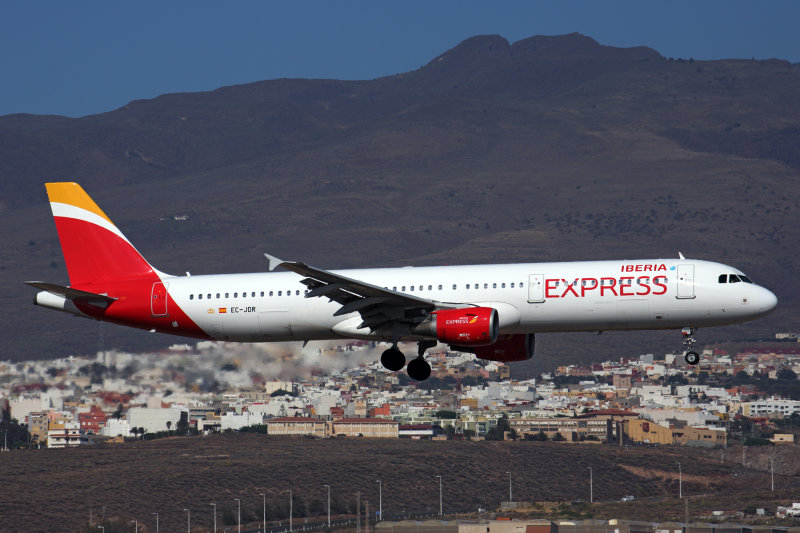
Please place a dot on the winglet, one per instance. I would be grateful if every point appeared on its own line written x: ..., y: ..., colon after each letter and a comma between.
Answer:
x: 274, y: 262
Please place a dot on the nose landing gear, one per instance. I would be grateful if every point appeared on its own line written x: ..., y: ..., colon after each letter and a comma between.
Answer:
x: 691, y: 356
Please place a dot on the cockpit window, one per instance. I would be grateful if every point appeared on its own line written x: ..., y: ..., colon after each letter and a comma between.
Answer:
x: 723, y: 278
x: 733, y: 278
x: 745, y: 278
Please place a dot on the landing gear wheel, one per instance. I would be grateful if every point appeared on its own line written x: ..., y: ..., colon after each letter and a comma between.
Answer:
x: 393, y: 359
x: 418, y: 369
x: 692, y: 358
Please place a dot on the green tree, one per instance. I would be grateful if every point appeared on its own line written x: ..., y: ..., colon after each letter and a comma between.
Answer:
x: 558, y: 437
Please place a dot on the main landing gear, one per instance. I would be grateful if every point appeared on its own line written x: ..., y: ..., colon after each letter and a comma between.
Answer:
x: 418, y: 369
x: 691, y: 356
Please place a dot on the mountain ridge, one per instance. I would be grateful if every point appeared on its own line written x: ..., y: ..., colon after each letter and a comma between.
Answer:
x: 549, y: 148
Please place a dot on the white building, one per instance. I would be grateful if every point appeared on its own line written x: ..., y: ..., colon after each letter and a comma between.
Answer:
x: 66, y: 435
x: 770, y: 406
x: 153, y: 420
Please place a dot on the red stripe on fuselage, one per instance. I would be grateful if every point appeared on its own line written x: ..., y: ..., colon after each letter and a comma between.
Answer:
x: 132, y: 308
x: 102, y: 262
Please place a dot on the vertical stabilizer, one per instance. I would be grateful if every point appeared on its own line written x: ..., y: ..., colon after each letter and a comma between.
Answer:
x: 95, y: 250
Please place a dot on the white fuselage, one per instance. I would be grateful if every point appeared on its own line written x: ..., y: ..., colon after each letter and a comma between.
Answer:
x: 529, y: 298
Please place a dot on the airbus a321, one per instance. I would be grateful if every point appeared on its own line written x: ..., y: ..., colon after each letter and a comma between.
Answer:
x: 493, y: 311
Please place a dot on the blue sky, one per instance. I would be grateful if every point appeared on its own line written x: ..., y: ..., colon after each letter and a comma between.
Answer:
x: 79, y: 58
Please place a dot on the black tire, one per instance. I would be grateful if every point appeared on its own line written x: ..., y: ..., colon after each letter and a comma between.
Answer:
x: 418, y: 369
x: 692, y: 358
x: 393, y: 359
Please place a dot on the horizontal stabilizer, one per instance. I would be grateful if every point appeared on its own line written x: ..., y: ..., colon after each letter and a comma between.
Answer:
x: 73, y: 294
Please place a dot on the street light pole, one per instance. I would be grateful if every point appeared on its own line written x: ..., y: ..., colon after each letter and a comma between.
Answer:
x: 135, y: 526
x: 510, y: 497
x: 329, y: 505
x: 239, y: 519
x: 290, y: 510
x: 680, y: 481
x: 188, y: 521
x: 441, y: 509
x: 265, y: 511
x: 772, y: 471
x: 214, y: 505
x: 591, y: 486
x: 156, y: 521
x: 380, y: 499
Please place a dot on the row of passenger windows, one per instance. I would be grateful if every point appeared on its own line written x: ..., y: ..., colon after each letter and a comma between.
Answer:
x: 733, y: 278
x: 219, y: 295
x: 411, y: 288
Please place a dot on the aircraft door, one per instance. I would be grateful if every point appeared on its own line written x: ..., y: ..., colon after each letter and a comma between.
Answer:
x: 158, y: 299
x: 685, y: 281
x: 536, y: 288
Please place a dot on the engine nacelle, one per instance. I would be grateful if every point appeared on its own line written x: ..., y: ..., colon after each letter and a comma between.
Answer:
x: 508, y: 348
x: 471, y: 326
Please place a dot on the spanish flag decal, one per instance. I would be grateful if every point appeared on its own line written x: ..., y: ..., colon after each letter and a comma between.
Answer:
x: 223, y: 310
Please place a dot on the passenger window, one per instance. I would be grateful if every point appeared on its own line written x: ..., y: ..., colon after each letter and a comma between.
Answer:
x: 209, y: 297
x: 191, y: 296
x: 440, y: 287
x: 199, y: 296
x: 226, y: 295
x: 485, y: 285
x: 262, y: 294
x: 252, y: 294
x: 430, y: 287
x: 280, y: 293
x: 235, y: 294
x: 454, y: 286
x: 394, y: 289
x: 297, y: 292
x: 723, y: 278
x: 403, y: 288
x: 411, y: 288
x: 503, y: 285
x: 512, y: 284
x: 270, y: 293
x: 494, y: 285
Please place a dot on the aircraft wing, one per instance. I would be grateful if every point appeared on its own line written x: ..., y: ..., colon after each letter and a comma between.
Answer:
x: 377, y: 306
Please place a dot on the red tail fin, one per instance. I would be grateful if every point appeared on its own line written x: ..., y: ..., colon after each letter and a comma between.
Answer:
x: 95, y: 251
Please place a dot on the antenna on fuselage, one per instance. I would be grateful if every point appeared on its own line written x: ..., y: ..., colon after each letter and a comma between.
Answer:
x: 680, y: 256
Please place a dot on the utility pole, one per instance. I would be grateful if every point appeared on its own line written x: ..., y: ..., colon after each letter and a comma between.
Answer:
x: 188, y: 521
x: 680, y: 481
x: 591, y: 486
x: 329, y: 505
x: 156, y: 521
x: 366, y: 516
x: 510, y: 497
x: 291, y: 511
x: 215, y: 516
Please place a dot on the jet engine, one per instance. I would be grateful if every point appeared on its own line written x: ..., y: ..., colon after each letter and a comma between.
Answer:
x: 472, y: 326
x: 508, y: 348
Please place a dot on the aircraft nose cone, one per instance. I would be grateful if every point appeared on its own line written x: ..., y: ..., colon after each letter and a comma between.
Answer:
x: 767, y: 300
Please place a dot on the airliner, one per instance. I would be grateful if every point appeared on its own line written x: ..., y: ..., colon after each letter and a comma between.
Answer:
x: 493, y: 311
